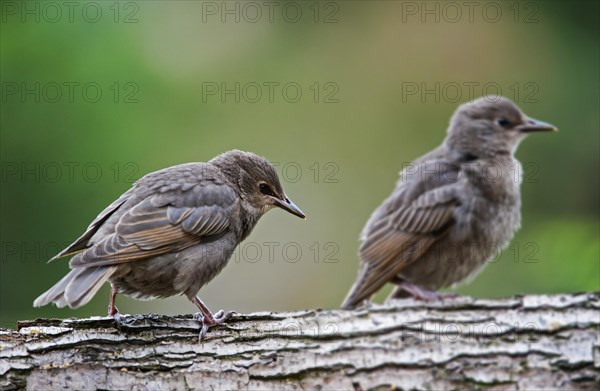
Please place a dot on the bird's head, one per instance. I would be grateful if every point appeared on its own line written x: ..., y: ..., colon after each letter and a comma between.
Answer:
x: 257, y: 181
x: 490, y: 126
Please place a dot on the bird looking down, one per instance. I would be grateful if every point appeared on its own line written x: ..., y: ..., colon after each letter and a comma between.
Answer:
x: 171, y: 233
x: 452, y: 209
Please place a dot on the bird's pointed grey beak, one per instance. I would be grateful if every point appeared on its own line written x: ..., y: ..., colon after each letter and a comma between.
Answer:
x: 289, y: 206
x: 533, y: 125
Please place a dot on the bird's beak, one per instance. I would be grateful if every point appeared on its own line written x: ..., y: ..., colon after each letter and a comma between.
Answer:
x: 533, y: 125
x: 289, y: 206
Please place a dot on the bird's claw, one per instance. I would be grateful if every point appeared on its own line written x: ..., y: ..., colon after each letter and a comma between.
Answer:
x: 433, y: 296
x: 430, y: 296
x: 407, y: 289
x: 222, y: 316
x: 215, y: 319
x: 119, y: 320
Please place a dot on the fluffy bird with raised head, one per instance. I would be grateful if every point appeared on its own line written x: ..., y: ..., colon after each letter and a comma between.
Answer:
x: 452, y: 210
x: 171, y: 233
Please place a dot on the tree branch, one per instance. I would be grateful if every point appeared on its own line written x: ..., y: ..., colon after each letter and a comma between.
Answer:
x: 516, y: 343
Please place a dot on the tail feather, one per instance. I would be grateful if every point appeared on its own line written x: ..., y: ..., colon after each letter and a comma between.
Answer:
x: 55, y: 293
x: 76, y: 288
x: 357, y: 293
x: 81, y: 289
x: 352, y: 300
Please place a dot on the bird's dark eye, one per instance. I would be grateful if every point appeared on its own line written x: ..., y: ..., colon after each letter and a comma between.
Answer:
x: 502, y: 121
x: 265, y: 189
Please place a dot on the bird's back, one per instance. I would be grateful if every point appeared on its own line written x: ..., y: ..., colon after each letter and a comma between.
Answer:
x: 178, y: 179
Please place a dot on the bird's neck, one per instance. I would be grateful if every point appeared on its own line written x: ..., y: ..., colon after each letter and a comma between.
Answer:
x: 460, y: 151
x: 248, y: 220
x: 498, y: 178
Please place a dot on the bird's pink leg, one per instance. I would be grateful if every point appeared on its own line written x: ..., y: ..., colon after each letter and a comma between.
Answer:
x: 206, y: 318
x: 112, y: 309
x: 404, y: 287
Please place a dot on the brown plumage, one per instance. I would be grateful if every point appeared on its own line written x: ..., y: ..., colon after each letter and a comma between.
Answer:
x: 171, y: 233
x: 450, y: 211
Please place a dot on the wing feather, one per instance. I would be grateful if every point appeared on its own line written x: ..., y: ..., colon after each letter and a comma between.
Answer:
x: 83, y: 241
x: 399, y: 236
x: 163, y: 223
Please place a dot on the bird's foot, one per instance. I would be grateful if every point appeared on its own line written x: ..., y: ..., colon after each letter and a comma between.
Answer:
x: 119, y: 319
x: 211, y: 320
x: 112, y: 310
x: 420, y: 293
x: 221, y: 316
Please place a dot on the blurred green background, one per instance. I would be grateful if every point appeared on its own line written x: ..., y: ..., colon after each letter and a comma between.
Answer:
x: 95, y: 96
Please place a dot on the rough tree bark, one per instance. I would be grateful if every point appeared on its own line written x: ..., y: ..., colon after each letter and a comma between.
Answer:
x: 518, y: 343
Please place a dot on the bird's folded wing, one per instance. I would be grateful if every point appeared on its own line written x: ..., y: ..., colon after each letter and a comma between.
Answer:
x: 401, y: 237
x: 83, y: 241
x: 166, y: 222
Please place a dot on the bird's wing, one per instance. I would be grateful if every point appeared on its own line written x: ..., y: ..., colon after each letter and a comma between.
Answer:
x: 400, y: 236
x: 83, y: 241
x: 173, y: 219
